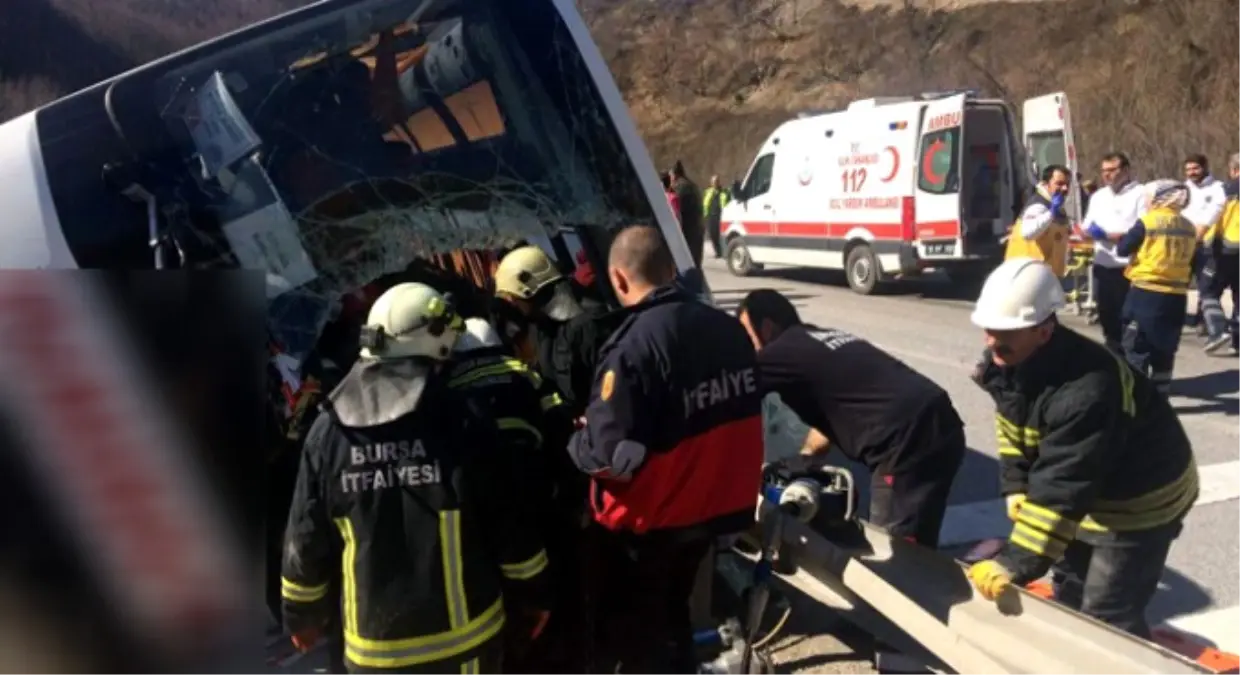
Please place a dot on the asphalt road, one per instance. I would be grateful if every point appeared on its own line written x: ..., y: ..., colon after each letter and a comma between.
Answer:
x: 926, y: 324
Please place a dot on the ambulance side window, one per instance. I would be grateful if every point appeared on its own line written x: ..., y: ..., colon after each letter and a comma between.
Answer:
x: 939, y: 172
x: 759, y: 181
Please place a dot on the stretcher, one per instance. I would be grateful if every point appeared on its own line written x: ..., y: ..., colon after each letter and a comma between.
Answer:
x: 1078, y: 279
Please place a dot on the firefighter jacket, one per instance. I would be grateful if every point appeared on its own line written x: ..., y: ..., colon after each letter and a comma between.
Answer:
x: 1161, y: 246
x: 529, y: 412
x: 568, y: 353
x: 1092, y: 445
x: 1050, y: 243
x: 432, y: 530
x: 518, y: 397
x: 1224, y: 235
x: 673, y: 435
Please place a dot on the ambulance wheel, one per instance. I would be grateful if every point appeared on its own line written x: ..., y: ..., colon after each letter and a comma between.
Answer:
x: 862, y: 268
x: 739, y: 262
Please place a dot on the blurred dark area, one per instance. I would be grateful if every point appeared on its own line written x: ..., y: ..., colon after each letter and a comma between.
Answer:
x: 131, y: 523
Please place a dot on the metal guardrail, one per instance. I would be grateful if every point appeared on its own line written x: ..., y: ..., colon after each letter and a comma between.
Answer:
x: 919, y: 601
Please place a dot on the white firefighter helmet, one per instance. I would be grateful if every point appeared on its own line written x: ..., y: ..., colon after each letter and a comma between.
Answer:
x: 1020, y: 293
x: 411, y: 320
x: 524, y: 272
x: 479, y: 334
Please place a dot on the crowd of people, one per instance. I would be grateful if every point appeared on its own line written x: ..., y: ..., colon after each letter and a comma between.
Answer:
x: 533, y: 483
x: 528, y: 488
x: 1150, y: 243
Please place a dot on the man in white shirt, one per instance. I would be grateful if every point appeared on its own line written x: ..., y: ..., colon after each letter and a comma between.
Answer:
x: 1205, y: 206
x: 1113, y: 210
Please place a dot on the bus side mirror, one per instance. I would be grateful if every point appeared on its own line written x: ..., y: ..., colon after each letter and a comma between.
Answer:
x: 738, y: 193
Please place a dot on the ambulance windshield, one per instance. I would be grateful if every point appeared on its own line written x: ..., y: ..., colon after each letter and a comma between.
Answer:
x: 344, y: 147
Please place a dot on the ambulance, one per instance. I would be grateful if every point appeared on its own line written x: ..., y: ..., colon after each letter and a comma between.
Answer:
x: 891, y: 187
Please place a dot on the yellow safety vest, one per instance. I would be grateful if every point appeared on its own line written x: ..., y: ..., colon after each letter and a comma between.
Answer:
x: 709, y: 196
x: 1164, y: 263
x: 1227, y: 225
x: 1051, y: 246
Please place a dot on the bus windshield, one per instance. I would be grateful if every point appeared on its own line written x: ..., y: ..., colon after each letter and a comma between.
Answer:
x: 331, y: 151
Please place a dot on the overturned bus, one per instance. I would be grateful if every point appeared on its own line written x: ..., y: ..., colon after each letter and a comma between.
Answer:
x: 336, y: 148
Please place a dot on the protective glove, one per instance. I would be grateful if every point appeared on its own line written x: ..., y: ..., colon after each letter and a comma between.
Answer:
x: 1057, y: 202
x: 1013, y: 504
x: 540, y: 617
x: 1095, y: 232
x: 306, y: 639
x: 989, y: 578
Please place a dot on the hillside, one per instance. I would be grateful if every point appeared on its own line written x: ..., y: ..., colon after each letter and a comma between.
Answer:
x: 706, y: 80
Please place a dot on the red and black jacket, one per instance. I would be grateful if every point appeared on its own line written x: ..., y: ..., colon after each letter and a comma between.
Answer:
x: 673, y: 435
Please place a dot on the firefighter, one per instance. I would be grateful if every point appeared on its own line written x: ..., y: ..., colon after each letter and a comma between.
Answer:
x: 1095, y: 466
x: 539, y: 314
x: 1222, y: 271
x: 672, y: 439
x: 1161, y: 246
x: 1042, y: 231
x: 532, y: 414
x: 416, y: 487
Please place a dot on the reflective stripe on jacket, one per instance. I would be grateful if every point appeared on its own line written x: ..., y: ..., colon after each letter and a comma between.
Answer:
x: 1092, y: 445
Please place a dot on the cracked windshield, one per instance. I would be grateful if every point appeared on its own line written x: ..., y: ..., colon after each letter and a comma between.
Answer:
x: 334, y: 154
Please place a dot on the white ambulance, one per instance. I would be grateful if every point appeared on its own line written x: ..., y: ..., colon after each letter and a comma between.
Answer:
x: 894, y: 186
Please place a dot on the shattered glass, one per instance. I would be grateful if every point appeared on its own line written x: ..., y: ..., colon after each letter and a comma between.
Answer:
x: 389, y: 131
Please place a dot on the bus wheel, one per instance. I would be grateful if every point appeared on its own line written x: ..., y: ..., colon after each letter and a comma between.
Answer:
x: 739, y: 262
x: 862, y: 269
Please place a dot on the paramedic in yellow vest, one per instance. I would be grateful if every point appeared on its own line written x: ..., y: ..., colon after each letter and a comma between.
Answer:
x: 1221, y: 242
x: 713, y: 201
x: 1160, y: 247
x: 1042, y: 231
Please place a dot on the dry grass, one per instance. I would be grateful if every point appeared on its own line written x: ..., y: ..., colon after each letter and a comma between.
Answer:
x: 707, y: 80
x: 1154, y: 78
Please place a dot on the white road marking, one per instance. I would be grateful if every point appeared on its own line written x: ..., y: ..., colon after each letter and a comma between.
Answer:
x: 975, y: 521
x: 1218, y: 626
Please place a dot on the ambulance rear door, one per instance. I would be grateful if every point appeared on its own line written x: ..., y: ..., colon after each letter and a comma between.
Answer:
x: 936, y: 192
x: 1047, y: 125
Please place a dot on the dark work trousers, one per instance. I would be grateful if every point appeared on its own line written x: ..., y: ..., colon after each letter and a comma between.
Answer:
x: 1220, y: 274
x: 564, y: 646
x: 1201, y: 266
x: 712, y: 233
x: 1113, y: 576
x: 1110, y: 288
x: 1153, y: 324
x: 640, y: 596
x: 693, y: 237
x: 911, y: 504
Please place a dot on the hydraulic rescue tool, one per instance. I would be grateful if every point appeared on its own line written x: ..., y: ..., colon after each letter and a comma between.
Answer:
x: 807, y: 493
